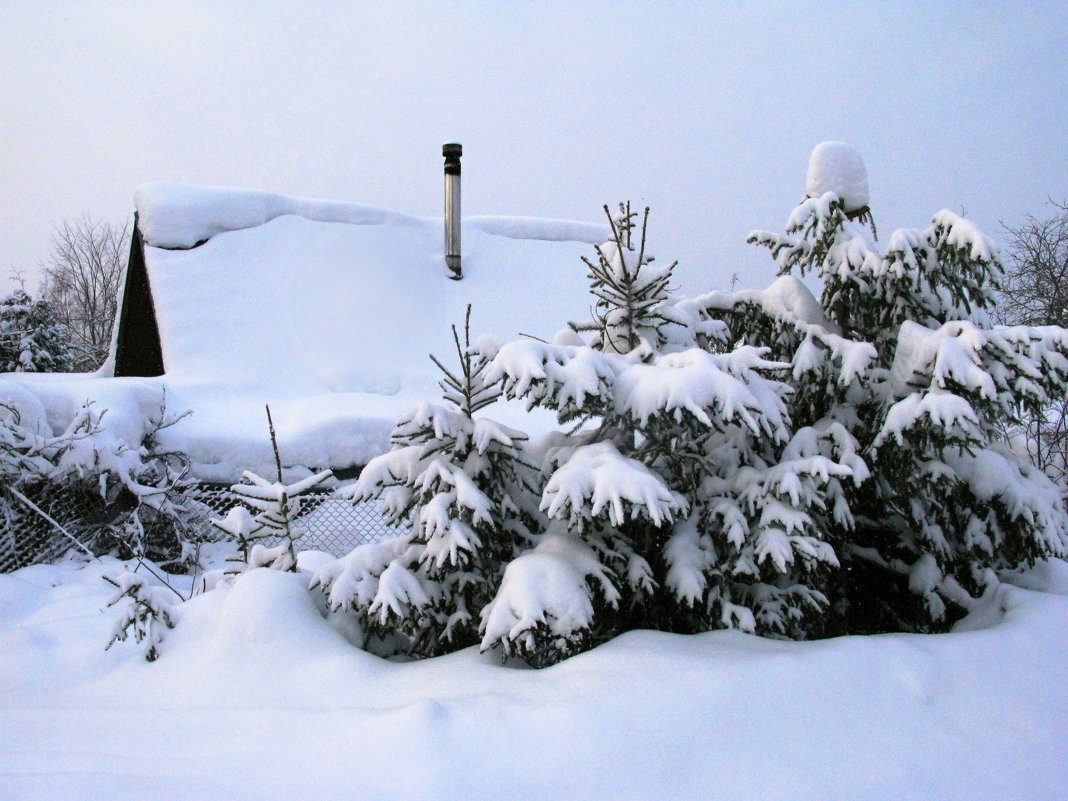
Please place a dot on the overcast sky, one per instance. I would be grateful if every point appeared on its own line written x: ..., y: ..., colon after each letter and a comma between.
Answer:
x: 706, y: 112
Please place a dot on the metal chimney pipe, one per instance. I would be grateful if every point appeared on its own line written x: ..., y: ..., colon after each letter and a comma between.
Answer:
x: 452, y: 152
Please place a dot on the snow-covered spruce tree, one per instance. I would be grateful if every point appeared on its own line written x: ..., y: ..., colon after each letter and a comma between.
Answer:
x: 685, y: 501
x: 277, y: 506
x: 901, y: 353
x: 463, y: 482
x: 32, y: 340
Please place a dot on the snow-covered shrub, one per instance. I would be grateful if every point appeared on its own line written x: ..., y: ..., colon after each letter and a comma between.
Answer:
x: 900, y: 353
x: 463, y: 482
x: 89, y: 485
x: 146, y: 613
x: 32, y: 340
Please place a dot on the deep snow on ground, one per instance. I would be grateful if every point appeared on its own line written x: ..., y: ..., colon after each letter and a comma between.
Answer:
x: 256, y: 696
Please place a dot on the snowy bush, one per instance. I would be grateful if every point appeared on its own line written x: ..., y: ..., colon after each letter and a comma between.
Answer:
x: 146, y: 613
x: 91, y: 487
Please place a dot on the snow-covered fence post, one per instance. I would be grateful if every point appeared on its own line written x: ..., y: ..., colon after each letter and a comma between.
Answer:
x: 452, y: 152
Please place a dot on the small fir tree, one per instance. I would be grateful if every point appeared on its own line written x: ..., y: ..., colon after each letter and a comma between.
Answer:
x: 628, y: 290
x: 146, y: 613
x: 463, y: 482
x: 277, y: 508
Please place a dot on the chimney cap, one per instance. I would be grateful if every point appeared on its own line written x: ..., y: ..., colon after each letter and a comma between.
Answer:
x: 452, y: 149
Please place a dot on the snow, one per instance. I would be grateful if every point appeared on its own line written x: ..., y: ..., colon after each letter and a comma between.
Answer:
x: 600, y: 478
x: 695, y: 381
x: 963, y: 234
x: 786, y: 298
x: 257, y: 696
x: 536, y: 228
x: 945, y: 410
x: 24, y: 407
x: 327, y: 311
x: 688, y: 557
x: 562, y: 374
x: 182, y: 216
x: 547, y: 585
x: 839, y: 168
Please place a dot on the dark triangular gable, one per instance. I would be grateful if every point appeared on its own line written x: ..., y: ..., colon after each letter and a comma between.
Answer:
x: 137, y: 350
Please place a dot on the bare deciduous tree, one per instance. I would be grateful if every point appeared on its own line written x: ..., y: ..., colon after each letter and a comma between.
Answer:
x: 1036, y: 272
x: 81, y: 281
x: 1036, y: 293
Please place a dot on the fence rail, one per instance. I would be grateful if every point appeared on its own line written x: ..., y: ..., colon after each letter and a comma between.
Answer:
x: 330, y: 524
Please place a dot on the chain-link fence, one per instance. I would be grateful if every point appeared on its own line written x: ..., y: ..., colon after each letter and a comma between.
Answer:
x: 41, y: 522
x: 27, y: 537
x: 32, y: 527
x: 329, y: 523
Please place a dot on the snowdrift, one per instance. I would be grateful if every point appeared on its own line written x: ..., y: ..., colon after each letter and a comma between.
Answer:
x: 256, y: 696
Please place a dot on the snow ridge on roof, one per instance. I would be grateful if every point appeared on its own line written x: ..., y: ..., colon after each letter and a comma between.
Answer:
x: 542, y: 229
x: 178, y: 216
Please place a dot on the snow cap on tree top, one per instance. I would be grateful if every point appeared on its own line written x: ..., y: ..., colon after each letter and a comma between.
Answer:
x: 839, y: 168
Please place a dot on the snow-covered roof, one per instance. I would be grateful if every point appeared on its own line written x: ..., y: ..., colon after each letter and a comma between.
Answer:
x: 327, y: 311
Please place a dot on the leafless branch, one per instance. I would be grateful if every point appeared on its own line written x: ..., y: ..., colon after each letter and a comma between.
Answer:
x: 81, y: 280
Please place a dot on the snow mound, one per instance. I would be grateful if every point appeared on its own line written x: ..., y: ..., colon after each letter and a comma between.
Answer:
x: 270, y: 608
x: 547, y: 230
x: 839, y: 168
x: 181, y: 216
x: 275, y: 705
x: 19, y: 405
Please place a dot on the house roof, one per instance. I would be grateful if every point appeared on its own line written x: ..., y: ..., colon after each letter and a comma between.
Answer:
x: 327, y: 311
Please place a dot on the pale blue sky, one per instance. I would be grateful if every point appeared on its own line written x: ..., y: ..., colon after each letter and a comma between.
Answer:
x: 707, y: 112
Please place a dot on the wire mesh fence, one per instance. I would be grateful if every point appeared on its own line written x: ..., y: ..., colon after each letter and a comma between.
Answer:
x: 46, y: 522
x: 329, y: 523
x: 41, y: 522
